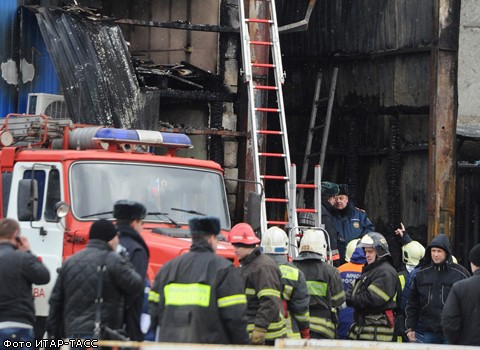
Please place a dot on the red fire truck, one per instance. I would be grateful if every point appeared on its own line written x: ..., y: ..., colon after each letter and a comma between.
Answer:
x: 57, y: 178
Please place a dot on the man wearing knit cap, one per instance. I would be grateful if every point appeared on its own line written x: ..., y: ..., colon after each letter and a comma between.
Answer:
x: 429, y: 291
x: 461, y: 313
x: 130, y: 215
x: 199, y: 297
x: 72, y: 303
x: 329, y: 191
x: 351, y: 222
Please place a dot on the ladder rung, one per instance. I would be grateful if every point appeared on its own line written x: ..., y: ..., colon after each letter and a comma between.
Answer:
x: 271, y: 222
x: 263, y: 65
x: 265, y: 87
x: 274, y: 177
x: 267, y: 154
x: 278, y: 200
x: 304, y: 210
x: 306, y: 186
x: 265, y: 43
x: 258, y: 20
x: 317, y: 127
x: 270, y: 132
x: 265, y: 109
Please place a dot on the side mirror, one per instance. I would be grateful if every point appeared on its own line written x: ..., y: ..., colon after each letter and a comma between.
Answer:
x: 253, y: 210
x: 27, y: 200
x: 61, y: 210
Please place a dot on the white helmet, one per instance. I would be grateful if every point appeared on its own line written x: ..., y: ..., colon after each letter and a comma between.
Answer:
x: 314, y: 241
x: 351, y: 246
x: 412, y: 252
x: 274, y: 241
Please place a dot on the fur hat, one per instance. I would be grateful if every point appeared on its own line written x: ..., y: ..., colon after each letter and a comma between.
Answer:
x: 207, y: 225
x: 130, y: 210
x: 343, y: 189
x: 102, y: 229
x: 329, y: 189
x: 474, y: 255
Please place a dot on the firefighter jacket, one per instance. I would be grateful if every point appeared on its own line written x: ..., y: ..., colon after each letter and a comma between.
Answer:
x: 199, y: 297
x: 349, y: 272
x: 373, y: 296
x: 461, y: 313
x: 350, y: 223
x: 295, y: 294
x: 431, y: 286
x: 263, y: 288
x: 326, y: 293
x: 72, y: 303
x: 138, y: 254
x: 18, y: 271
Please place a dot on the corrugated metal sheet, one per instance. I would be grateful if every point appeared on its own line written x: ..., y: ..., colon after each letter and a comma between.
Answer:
x: 8, y: 59
x: 352, y: 26
x: 93, y: 66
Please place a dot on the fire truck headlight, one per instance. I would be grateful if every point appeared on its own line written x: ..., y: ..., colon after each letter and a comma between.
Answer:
x: 61, y: 209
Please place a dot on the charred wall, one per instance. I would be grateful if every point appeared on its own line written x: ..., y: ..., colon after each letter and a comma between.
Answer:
x: 378, y: 138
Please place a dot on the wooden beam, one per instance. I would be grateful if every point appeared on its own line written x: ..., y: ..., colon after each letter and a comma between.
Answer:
x: 443, y: 117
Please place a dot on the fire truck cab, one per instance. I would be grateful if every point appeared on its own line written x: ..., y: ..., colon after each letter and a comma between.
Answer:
x: 57, y: 178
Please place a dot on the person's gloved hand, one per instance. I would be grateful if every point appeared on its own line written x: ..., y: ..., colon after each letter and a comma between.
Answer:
x: 258, y: 336
x: 305, y: 333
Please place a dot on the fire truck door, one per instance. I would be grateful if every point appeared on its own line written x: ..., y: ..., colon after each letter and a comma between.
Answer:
x: 42, y: 229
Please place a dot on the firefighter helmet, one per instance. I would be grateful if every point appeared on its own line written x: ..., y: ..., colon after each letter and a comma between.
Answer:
x: 351, y: 246
x: 274, y: 241
x: 242, y: 233
x: 412, y: 252
x: 314, y: 241
x: 377, y: 241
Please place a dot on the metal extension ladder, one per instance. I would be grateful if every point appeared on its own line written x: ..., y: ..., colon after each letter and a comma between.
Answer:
x: 265, y: 32
x: 313, y: 127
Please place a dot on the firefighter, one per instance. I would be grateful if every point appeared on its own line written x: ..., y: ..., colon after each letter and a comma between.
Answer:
x: 130, y: 215
x: 295, y: 293
x: 199, y: 297
x: 263, y: 287
x: 349, y: 272
x: 373, y: 293
x: 323, y: 282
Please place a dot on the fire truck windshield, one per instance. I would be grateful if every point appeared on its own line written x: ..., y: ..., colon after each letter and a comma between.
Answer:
x: 95, y: 187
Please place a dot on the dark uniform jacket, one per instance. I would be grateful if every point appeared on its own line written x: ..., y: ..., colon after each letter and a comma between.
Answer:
x: 326, y: 292
x: 138, y: 255
x: 350, y: 223
x: 72, y: 303
x: 263, y: 289
x: 431, y: 286
x: 461, y: 313
x: 295, y: 294
x: 18, y: 271
x: 328, y: 211
x: 199, y: 297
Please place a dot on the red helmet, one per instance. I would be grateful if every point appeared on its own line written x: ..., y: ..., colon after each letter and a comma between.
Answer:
x: 243, y: 233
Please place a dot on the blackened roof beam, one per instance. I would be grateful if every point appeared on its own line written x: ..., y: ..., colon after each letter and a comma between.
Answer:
x: 179, y: 25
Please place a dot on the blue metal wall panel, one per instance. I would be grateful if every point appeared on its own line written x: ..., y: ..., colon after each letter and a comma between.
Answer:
x: 34, y: 52
x: 8, y: 51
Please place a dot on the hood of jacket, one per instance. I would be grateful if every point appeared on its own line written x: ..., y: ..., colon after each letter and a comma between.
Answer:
x: 439, y: 241
x: 358, y: 256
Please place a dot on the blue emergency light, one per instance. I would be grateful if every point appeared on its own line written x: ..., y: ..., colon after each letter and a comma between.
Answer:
x: 143, y: 137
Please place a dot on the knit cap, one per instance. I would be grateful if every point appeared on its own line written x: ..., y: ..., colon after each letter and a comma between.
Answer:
x: 474, y: 255
x: 102, y: 229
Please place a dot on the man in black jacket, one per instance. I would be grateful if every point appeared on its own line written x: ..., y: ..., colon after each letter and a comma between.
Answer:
x: 130, y: 215
x: 461, y: 313
x: 19, y: 269
x: 199, y: 297
x: 72, y: 303
x: 430, y: 288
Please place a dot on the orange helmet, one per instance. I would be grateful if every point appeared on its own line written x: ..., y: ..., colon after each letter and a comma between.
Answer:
x: 243, y: 233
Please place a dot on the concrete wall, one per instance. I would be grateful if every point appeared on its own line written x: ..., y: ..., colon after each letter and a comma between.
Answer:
x: 469, y: 64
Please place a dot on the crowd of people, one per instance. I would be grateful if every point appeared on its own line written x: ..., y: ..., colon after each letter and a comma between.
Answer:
x: 342, y: 285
